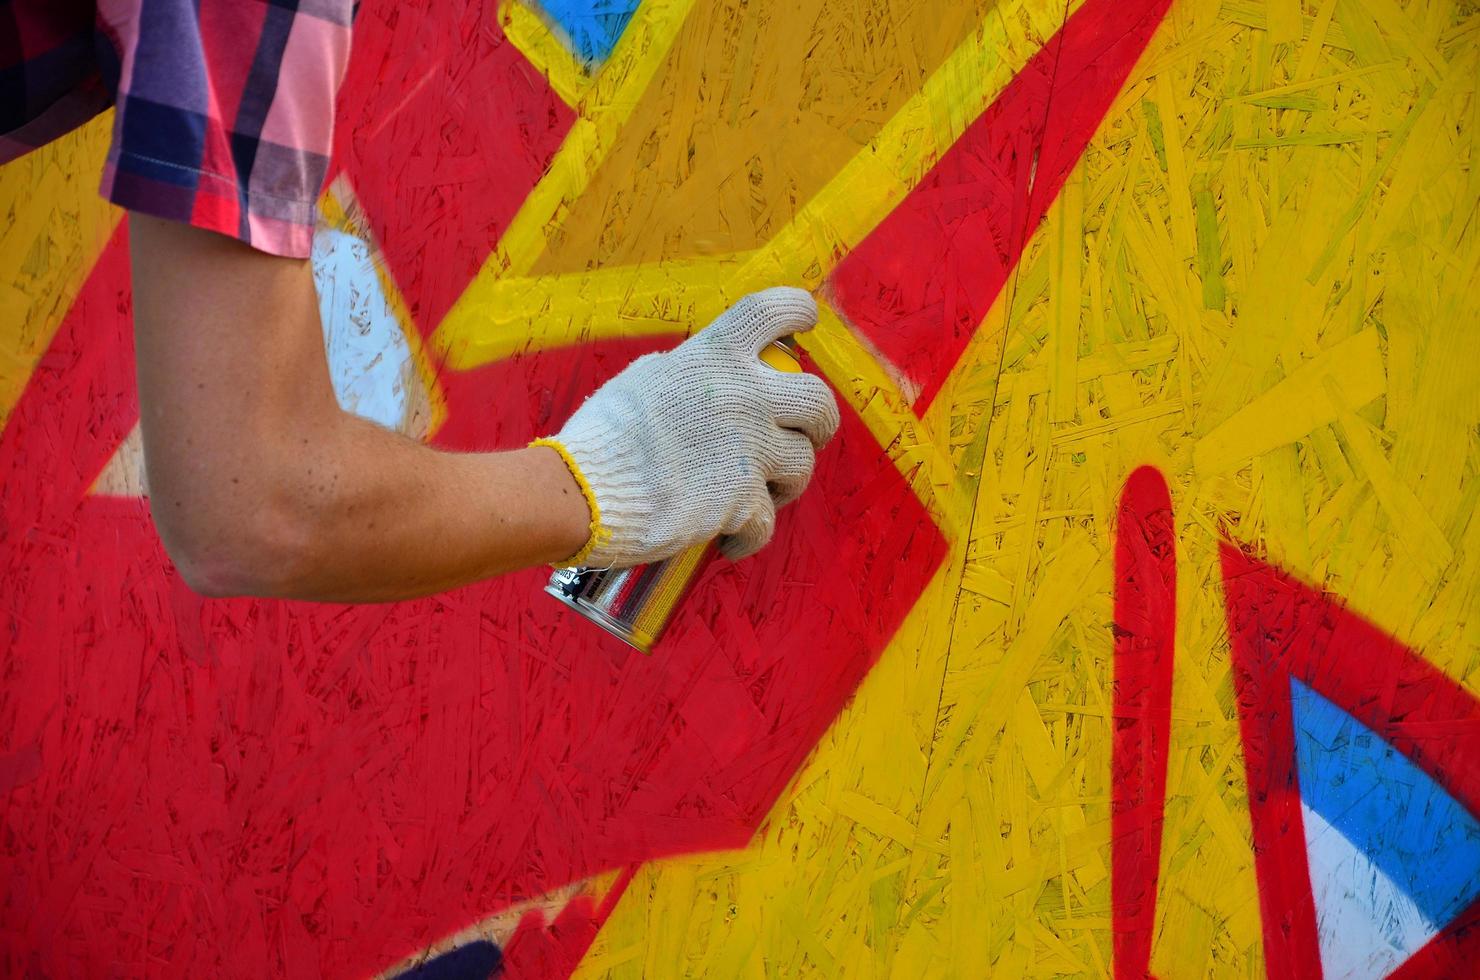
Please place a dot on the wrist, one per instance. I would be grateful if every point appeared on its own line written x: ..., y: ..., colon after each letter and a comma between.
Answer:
x: 577, y: 515
x: 612, y: 464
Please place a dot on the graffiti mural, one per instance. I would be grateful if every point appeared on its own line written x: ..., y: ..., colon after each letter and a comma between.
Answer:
x: 1128, y: 628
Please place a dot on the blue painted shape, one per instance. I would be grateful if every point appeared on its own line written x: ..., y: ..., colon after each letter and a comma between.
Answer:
x: 591, y: 27
x: 1392, y: 811
x: 474, y: 961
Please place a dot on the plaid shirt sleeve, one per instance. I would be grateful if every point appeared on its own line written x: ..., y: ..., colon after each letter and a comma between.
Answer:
x: 225, y: 108
x: 226, y: 112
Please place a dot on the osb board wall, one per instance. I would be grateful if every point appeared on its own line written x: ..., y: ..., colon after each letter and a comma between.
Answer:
x: 930, y: 731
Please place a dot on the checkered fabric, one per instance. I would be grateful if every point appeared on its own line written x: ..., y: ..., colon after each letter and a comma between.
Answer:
x: 225, y: 107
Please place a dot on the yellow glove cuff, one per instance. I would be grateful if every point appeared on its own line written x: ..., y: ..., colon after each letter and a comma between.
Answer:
x: 599, y: 533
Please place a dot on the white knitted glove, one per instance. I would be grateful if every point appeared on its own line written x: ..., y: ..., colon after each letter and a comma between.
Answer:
x: 701, y: 441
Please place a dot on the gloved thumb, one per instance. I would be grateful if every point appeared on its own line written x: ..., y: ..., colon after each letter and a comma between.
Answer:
x: 760, y: 318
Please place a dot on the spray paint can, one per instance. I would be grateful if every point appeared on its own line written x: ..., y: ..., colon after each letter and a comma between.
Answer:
x: 637, y: 603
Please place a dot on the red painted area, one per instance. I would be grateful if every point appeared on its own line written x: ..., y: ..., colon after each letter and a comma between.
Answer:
x: 919, y: 285
x: 1145, y: 625
x: 249, y: 788
x: 554, y: 950
x: 443, y: 128
x: 1287, y: 907
x: 1279, y: 623
x: 1280, y: 628
x: 1454, y: 952
x: 88, y: 369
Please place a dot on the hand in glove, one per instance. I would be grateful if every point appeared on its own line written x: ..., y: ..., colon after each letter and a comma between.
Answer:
x: 701, y: 441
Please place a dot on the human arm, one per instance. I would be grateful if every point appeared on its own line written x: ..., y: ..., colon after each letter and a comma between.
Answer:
x: 260, y: 484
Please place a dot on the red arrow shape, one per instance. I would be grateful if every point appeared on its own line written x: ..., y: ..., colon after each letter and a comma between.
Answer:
x: 1145, y: 624
x: 919, y: 285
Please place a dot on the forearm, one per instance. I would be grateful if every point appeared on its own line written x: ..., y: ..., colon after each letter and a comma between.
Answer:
x: 260, y: 484
x: 369, y: 515
x: 390, y: 518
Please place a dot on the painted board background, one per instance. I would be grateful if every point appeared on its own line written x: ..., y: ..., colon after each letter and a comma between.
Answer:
x: 1130, y: 625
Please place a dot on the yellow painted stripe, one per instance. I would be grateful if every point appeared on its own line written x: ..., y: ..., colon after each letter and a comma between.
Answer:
x: 866, y: 189
x: 879, y: 177
x: 605, y: 109
x: 53, y: 226
x: 545, y: 50
x: 923, y: 460
x: 497, y: 318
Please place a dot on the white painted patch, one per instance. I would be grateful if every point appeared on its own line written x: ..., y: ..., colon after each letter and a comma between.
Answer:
x: 369, y: 358
x: 1367, y: 925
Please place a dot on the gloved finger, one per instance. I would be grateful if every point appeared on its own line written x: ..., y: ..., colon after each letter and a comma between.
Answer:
x: 791, y: 469
x: 804, y: 402
x: 752, y: 535
x: 756, y: 320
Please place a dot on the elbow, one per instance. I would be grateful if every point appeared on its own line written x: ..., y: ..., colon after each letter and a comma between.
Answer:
x: 257, y: 550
